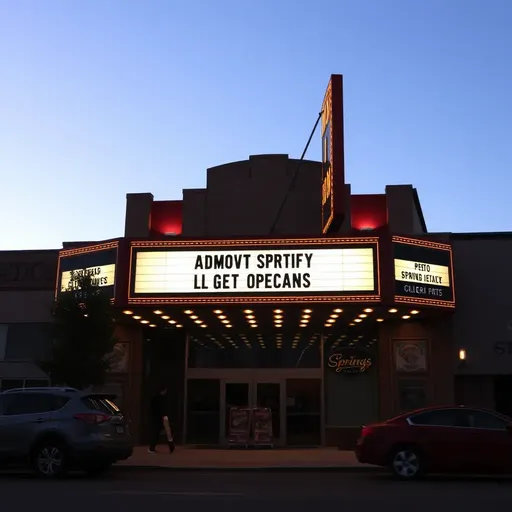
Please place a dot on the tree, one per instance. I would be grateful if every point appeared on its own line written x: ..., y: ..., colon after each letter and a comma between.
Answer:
x: 83, y: 335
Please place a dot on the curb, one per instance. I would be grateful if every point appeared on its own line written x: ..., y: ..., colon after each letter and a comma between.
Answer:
x: 253, y: 469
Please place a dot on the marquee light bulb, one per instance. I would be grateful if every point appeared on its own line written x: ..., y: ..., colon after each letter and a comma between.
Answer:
x: 278, y: 311
x: 362, y: 315
x: 277, y: 317
x: 338, y: 310
x: 157, y: 312
x: 414, y: 312
x: 357, y: 320
x: 144, y: 321
x: 172, y: 322
x: 188, y: 311
x: 248, y: 311
x: 179, y: 325
x: 137, y: 317
x: 368, y: 310
x: 165, y: 317
x: 308, y: 311
x: 128, y: 312
x: 406, y: 317
x: 216, y: 311
x: 152, y: 325
x: 393, y: 310
x: 380, y: 319
x: 221, y: 317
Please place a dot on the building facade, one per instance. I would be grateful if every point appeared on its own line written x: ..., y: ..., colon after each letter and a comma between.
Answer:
x: 27, y: 289
x: 232, y: 305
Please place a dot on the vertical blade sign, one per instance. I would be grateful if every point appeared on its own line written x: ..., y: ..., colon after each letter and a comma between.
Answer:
x: 333, y: 156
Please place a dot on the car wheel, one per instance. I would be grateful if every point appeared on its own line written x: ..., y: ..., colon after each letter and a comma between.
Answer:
x: 49, y: 460
x: 406, y: 463
x: 94, y: 470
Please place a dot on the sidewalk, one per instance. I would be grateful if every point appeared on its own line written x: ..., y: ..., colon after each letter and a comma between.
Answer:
x: 185, y: 458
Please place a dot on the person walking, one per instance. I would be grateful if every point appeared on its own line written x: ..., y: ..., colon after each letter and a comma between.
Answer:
x: 159, y: 420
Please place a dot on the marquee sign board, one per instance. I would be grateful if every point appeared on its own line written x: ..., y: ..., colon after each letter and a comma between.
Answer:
x: 423, y: 272
x: 97, y: 261
x: 260, y: 270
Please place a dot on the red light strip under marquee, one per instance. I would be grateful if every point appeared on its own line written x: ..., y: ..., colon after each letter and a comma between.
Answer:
x: 430, y: 245
x: 256, y: 243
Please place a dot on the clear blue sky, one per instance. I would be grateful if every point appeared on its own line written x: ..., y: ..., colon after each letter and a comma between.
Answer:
x: 105, y: 97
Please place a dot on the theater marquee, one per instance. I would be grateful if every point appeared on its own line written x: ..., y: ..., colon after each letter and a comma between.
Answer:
x: 97, y: 261
x: 423, y: 272
x: 262, y: 270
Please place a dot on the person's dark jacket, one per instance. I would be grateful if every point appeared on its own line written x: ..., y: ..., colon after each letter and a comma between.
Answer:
x: 158, y: 407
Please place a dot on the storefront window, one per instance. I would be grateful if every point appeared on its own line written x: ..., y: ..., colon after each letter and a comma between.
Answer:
x: 6, y: 384
x: 412, y: 394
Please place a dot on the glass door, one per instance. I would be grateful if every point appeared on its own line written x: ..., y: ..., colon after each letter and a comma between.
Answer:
x: 254, y: 394
x: 270, y: 395
x: 233, y: 394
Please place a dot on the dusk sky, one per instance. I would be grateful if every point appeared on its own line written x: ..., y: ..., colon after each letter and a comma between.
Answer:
x: 106, y: 97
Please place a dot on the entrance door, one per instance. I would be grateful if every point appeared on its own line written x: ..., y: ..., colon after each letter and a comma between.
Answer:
x: 268, y: 394
x: 253, y: 394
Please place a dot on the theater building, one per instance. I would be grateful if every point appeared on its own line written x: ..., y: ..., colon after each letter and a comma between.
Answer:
x: 274, y: 286
x: 329, y: 330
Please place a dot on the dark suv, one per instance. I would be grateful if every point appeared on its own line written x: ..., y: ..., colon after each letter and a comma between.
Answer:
x: 53, y: 430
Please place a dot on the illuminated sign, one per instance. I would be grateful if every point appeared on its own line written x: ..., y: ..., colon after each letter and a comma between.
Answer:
x: 101, y: 275
x: 98, y: 262
x: 331, y: 271
x: 350, y: 361
x: 333, y: 155
x: 423, y: 271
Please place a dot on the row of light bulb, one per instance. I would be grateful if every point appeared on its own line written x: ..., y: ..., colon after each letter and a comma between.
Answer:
x: 222, y: 317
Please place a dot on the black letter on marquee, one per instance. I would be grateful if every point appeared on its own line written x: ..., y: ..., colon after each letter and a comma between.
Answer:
x: 199, y: 263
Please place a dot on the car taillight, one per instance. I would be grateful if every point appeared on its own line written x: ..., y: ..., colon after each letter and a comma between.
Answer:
x: 366, y: 431
x: 92, y: 418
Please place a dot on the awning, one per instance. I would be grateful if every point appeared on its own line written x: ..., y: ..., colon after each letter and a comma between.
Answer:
x: 21, y: 370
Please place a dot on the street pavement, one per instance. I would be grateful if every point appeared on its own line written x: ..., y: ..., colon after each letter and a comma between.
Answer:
x: 129, y: 489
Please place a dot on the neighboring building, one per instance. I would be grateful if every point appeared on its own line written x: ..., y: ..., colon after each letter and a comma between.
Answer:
x: 27, y: 289
x: 483, y: 322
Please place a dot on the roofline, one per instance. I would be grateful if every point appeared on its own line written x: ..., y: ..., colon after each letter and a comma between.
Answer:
x: 483, y: 235
x: 419, y: 209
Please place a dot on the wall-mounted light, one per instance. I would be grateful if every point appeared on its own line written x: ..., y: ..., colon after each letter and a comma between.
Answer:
x: 462, y: 354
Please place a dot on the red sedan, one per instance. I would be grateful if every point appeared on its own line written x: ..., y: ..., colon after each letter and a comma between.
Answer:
x: 439, y: 439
